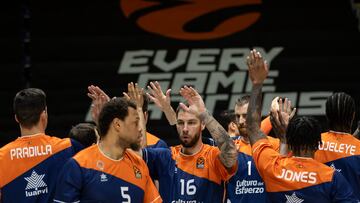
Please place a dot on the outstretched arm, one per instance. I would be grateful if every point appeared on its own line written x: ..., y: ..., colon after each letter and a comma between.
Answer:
x: 228, y: 154
x: 258, y: 71
x: 162, y: 101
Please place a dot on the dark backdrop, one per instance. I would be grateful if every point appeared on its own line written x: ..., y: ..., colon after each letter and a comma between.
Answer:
x: 62, y: 47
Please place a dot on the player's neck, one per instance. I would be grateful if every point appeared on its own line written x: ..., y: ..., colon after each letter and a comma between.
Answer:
x: 245, y: 139
x: 307, y: 154
x: 36, y: 129
x: 110, y: 148
x: 192, y: 150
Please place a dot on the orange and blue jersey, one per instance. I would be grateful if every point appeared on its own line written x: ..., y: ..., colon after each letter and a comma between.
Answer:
x: 29, y: 167
x: 299, y: 179
x: 341, y: 151
x: 247, y: 185
x: 188, y: 178
x: 154, y: 142
x: 90, y: 176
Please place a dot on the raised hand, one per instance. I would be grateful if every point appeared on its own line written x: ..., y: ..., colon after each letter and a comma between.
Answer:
x: 99, y: 98
x: 162, y: 101
x: 196, y: 103
x: 281, y: 116
x: 156, y: 95
x: 258, y: 67
x: 228, y: 155
x: 135, y: 94
x: 95, y: 92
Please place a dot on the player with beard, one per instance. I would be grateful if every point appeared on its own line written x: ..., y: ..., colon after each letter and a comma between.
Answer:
x: 247, y: 185
x: 239, y: 188
x: 107, y: 171
x: 192, y: 171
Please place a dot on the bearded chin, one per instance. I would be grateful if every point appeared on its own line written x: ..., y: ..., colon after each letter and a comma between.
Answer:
x: 192, y: 142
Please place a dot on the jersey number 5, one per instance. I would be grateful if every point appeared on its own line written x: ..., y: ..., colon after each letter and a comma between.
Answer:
x: 125, y: 195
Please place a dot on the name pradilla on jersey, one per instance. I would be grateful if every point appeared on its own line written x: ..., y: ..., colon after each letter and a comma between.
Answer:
x: 28, y: 152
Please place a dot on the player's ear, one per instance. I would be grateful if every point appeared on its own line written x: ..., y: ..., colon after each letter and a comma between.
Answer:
x: 116, y: 123
x: 202, y: 125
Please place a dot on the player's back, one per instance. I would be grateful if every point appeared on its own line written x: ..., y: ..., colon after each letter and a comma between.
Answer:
x: 247, y: 185
x: 29, y: 167
x: 299, y: 179
x: 341, y: 151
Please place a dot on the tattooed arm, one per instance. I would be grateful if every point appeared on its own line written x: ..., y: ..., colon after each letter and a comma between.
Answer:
x: 228, y: 152
x: 226, y: 145
x: 258, y: 71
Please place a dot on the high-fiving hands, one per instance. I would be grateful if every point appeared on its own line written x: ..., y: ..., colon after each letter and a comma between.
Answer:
x: 196, y: 103
x: 99, y: 98
x: 258, y: 67
x: 281, y: 116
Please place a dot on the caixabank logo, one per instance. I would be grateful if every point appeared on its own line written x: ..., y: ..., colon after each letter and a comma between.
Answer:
x: 192, y: 19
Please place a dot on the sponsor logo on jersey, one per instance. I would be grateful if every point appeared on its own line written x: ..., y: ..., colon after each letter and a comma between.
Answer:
x: 35, y: 185
x: 100, y: 164
x: 103, y: 178
x: 200, y: 163
x: 137, y: 172
x: 333, y: 167
x: 293, y: 199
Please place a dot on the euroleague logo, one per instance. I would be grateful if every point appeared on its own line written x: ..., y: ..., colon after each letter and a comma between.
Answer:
x: 192, y: 19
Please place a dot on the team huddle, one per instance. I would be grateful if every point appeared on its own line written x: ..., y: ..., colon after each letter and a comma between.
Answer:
x: 249, y: 158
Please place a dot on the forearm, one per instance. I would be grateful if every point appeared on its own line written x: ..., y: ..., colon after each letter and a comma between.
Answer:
x: 170, y: 115
x: 253, y: 118
x: 228, y: 155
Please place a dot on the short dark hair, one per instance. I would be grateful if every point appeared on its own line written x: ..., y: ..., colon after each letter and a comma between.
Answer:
x: 340, y: 108
x: 84, y: 133
x: 115, y: 108
x: 242, y: 100
x: 28, y: 105
x: 226, y: 117
x: 303, y: 133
